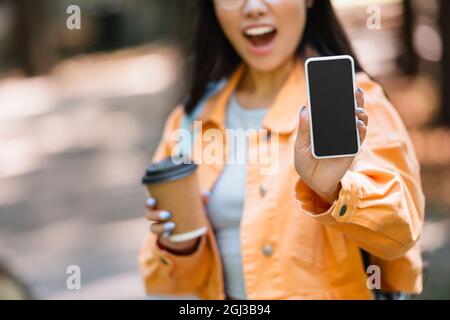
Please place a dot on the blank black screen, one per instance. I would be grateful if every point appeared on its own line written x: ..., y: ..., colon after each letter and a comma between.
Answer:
x: 332, y: 105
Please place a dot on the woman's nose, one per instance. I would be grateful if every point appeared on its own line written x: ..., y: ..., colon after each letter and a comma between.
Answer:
x: 255, y: 8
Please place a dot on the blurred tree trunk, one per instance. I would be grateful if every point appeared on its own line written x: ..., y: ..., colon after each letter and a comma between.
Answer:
x: 409, y: 61
x: 444, y: 22
x: 32, y: 39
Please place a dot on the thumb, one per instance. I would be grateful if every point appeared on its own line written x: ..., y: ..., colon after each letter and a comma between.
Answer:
x: 303, y: 133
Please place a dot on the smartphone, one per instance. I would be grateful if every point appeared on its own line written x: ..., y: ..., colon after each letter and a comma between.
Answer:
x: 331, y: 97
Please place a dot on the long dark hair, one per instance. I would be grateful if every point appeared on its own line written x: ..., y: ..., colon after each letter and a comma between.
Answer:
x: 212, y: 57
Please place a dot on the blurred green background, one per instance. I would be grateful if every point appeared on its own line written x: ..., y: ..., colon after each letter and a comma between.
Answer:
x: 81, y: 112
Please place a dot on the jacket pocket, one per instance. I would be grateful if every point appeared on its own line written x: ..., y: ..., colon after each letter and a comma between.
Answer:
x: 315, y: 245
x: 307, y: 241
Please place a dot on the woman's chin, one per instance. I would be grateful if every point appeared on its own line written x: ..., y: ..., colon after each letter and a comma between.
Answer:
x: 264, y: 64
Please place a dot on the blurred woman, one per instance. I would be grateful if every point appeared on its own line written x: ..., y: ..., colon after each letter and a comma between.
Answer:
x: 298, y: 232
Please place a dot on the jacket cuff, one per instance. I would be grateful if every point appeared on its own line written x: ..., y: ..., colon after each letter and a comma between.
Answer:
x: 173, y: 261
x: 341, y: 210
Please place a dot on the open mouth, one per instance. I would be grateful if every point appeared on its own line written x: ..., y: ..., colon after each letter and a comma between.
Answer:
x: 260, y: 36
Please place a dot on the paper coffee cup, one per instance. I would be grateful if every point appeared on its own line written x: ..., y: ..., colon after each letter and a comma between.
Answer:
x: 175, y: 188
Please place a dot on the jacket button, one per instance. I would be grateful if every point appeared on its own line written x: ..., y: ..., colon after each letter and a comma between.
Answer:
x: 262, y: 190
x: 267, y: 250
x: 343, y: 210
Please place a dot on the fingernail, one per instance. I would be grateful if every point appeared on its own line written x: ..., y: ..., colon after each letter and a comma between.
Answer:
x: 169, y: 226
x: 166, y: 234
x: 361, y: 123
x: 151, y: 202
x: 164, y: 215
x: 360, y: 110
x: 207, y: 194
x: 361, y: 90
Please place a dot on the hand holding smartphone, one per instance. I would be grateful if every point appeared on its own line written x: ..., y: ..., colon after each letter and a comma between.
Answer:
x: 331, y: 97
x: 331, y: 129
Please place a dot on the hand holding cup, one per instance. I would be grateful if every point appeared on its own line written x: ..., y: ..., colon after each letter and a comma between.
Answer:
x: 162, y: 226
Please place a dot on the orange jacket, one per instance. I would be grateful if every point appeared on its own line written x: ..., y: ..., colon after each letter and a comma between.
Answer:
x: 294, y: 246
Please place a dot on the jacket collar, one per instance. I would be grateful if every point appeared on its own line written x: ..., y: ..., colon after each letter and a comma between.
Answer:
x: 282, y: 115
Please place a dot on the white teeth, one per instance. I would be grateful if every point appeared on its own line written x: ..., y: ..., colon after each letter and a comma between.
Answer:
x: 257, y: 31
